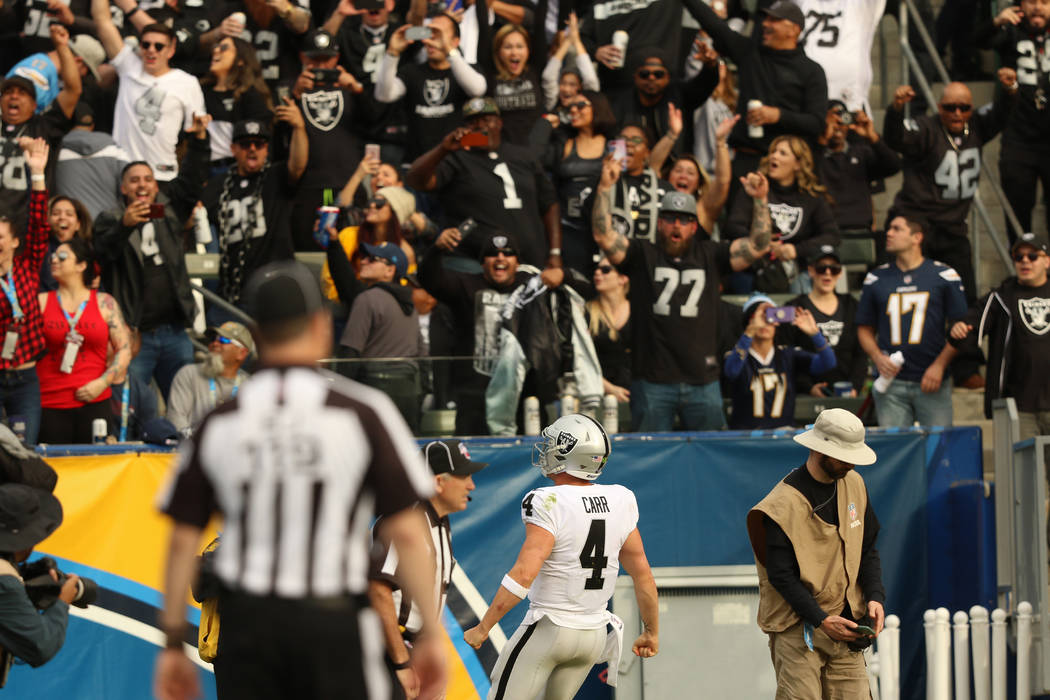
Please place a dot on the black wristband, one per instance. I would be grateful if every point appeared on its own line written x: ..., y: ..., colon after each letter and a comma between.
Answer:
x: 401, y: 666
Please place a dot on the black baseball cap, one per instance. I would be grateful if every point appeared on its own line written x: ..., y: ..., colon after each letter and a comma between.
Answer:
x: 785, y: 9
x: 282, y: 291
x: 19, y: 81
x: 827, y: 251
x: 499, y: 241
x: 1029, y: 239
x: 251, y: 129
x: 320, y: 43
x: 27, y: 516
x: 450, y: 457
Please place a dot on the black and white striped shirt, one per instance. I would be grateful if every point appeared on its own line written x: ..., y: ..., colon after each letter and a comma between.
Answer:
x: 385, y: 562
x: 298, y: 464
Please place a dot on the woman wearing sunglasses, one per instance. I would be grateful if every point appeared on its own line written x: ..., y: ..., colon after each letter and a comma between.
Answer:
x: 834, y: 314
x: 562, y: 84
x: 81, y: 325
x: 609, y: 321
x: 69, y: 218
x: 800, y: 213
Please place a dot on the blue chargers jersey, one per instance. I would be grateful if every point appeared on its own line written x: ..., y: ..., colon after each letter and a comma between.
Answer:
x: 763, y: 395
x: 910, y: 310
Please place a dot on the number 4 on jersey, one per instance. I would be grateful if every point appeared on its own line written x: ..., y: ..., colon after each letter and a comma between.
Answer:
x: 526, y: 505
x: 593, y: 556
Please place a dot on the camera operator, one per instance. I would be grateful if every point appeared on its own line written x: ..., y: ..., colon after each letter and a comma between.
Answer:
x: 27, y: 516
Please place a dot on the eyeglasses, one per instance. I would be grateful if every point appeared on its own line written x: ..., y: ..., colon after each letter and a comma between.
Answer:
x: 60, y: 256
x: 257, y: 144
x: 377, y: 203
x: 581, y: 105
x: 604, y: 269
x: 1030, y: 257
x: 654, y: 74
x: 683, y: 219
x: 633, y: 140
x: 823, y: 269
x: 960, y: 107
x: 155, y: 45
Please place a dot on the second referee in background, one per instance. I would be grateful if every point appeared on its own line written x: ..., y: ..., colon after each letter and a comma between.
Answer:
x: 298, y: 464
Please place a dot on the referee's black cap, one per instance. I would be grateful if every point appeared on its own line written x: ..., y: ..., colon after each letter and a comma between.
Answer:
x: 451, y: 457
x: 282, y: 291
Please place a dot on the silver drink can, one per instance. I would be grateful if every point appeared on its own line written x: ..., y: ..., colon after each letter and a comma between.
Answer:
x: 619, y: 40
x: 753, y: 131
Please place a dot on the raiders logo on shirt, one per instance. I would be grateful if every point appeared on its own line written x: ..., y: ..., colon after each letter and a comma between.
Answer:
x: 323, y: 109
x: 1035, y: 313
x: 435, y: 90
x: 786, y: 218
x: 832, y: 330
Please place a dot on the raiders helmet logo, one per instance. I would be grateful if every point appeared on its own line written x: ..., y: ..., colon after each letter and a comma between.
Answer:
x: 252, y: 128
x: 500, y: 241
x: 566, y: 443
x: 1035, y: 313
x: 324, y: 109
x: 435, y: 91
x: 786, y: 218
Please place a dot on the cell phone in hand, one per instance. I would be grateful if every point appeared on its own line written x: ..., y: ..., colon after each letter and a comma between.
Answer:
x: 372, y: 151
x: 156, y: 211
x: 417, y: 33
x: 326, y: 76
x: 283, y: 93
x: 864, y: 629
x: 466, y: 228
x: 617, y: 148
x: 780, y: 314
x: 474, y: 139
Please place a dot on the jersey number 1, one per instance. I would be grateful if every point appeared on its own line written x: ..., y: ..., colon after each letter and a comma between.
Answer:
x: 593, y: 556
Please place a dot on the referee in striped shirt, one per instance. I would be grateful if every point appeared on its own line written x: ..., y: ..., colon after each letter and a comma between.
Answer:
x: 298, y: 464
x: 400, y: 614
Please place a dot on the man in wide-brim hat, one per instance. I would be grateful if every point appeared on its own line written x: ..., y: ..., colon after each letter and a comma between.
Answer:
x: 819, y: 573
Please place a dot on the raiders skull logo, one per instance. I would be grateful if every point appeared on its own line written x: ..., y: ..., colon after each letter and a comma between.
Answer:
x: 252, y: 128
x: 786, y: 218
x: 566, y: 443
x: 1035, y: 313
x: 324, y: 109
x: 435, y: 91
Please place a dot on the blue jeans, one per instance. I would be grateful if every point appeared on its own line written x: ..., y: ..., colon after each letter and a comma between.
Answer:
x: 20, y: 396
x: 165, y: 350
x: 653, y: 406
x: 904, y: 403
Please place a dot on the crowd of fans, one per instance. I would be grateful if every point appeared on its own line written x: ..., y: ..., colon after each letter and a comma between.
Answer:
x: 556, y: 195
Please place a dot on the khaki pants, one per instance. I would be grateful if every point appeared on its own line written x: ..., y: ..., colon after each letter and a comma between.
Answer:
x: 830, y: 672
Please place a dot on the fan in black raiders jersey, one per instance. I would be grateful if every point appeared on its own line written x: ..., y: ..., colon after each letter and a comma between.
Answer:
x: 502, y: 186
x: 17, y: 110
x: 675, y: 303
x: 253, y: 202
x: 432, y: 92
x: 1019, y: 34
x: 1015, y: 318
x: 326, y: 93
x: 274, y: 28
x: 362, y: 39
x: 638, y: 189
x: 942, y: 166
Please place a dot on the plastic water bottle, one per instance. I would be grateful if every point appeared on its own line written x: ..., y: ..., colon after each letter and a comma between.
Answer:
x: 883, y: 382
x: 532, y: 416
x: 201, y: 227
x: 611, y: 414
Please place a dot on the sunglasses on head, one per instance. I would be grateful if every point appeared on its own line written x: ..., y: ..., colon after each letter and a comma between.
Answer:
x: 253, y: 143
x: 377, y: 202
x: 825, y: 268
x: 658, y: 74
x: 581, y: 105
x: 960, y: 107
x: 1030, y: 257
x: 604, y: 269
x: 155, y: 45
x: 60, y: 255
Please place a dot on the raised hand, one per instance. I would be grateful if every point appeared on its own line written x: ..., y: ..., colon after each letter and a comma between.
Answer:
x: 902, y: 96
x: 755, y: 185
x: 36, y: 153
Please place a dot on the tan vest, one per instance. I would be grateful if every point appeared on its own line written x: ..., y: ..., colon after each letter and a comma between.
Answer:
x: 828, y: 556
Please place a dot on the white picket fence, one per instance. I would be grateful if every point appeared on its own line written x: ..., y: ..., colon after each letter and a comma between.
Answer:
x: 950, y: 646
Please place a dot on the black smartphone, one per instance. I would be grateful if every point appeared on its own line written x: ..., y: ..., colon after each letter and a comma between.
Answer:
x: 864, y: 629
x: 466, y: 228
x: 326, y: 76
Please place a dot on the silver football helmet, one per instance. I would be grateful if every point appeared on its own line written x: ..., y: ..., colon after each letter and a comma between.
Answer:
x: 575, y: 444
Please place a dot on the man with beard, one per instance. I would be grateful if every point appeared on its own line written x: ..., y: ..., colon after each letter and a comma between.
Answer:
x: 675, y: 297
x: 814, y: 589
x: 199, y: 388
x: 1020, y: 36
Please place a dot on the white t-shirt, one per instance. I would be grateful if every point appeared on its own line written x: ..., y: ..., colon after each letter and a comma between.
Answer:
x: 838, y: 35
x: 590, y: 524
x: 151, y: 111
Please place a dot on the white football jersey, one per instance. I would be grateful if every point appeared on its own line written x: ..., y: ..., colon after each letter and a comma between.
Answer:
x: 590, y: 524
x: 838, y: 35
x: 151, y: 112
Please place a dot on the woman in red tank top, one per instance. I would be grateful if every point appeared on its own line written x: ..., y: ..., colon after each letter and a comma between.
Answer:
x: 81, y: 325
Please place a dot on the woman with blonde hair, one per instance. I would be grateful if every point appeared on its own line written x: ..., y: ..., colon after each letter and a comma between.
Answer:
x: 800, y: 211
x: 609, y: 321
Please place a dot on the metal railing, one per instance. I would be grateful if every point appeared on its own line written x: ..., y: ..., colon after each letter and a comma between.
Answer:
x: 908, y: 12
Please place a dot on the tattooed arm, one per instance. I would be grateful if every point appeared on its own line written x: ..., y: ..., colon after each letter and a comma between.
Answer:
x: 745, y: 251
x: 119, y: 339
x: 611, y: 242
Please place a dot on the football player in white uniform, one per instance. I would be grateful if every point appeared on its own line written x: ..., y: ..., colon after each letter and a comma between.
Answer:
x: 577, y: 534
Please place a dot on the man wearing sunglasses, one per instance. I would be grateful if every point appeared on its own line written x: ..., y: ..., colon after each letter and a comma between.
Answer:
x: 199, y: 388
x: 155, y: 102
x: 1015, y: 317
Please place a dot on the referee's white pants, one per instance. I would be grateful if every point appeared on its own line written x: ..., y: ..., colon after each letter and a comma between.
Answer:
x: 543, y: 660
